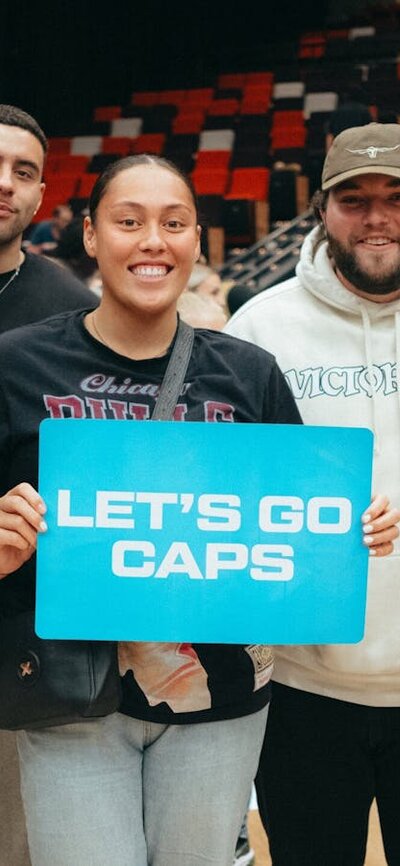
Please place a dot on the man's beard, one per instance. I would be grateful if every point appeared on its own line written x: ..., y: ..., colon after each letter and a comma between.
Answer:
x: 371, y: 284
x: 8, y: 233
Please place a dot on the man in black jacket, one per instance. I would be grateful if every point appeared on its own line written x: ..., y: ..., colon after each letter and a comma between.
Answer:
x: 31, y: 288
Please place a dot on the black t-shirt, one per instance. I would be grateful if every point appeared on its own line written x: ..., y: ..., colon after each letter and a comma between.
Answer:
x: 41, y: 289
x: 57, y: 369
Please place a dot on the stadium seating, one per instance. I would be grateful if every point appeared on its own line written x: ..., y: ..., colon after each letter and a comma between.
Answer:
x: 249, y: 183
x: 86, y: 145
x: 126, y: 126
x: 271, y: 259
x: 149, y: 142
x: 107, y: 112
x: 253, y: 142
x: 117, y: 144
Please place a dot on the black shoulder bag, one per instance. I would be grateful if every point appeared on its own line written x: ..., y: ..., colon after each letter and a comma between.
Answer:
x: 56, y: 682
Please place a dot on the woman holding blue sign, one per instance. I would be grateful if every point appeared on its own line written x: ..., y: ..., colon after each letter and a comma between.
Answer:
x: 165, y: 781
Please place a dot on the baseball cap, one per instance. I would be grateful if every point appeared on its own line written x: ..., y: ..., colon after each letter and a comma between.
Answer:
x: 373, y: 148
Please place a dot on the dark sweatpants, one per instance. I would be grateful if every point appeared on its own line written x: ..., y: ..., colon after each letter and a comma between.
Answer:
x: 322, y: 763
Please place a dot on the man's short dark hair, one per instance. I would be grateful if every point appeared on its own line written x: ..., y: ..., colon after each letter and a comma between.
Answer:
x: 10, y: 115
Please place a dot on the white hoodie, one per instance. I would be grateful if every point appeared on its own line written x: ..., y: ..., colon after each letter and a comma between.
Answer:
x: 331, y: 345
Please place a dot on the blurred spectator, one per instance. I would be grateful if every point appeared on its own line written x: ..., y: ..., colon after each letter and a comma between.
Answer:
x: 199, y: 312
x: 205, y: 281
x: 46, y: 234
x: 237, y: 296
x: 71, y: 253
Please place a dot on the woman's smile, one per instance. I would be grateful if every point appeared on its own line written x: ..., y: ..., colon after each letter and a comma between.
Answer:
x: 150, y: 271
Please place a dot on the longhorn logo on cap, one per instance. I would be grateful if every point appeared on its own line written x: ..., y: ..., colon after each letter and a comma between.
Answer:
x: 372, y: 152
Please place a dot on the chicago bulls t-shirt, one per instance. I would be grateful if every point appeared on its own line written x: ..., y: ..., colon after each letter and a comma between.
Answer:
x: 56, y: 369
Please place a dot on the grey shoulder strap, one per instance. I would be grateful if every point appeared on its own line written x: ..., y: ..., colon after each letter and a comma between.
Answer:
x: 174, y: 377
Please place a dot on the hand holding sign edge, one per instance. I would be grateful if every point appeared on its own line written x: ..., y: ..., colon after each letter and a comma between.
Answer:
x: 21, y: 518
x: 380, y: 526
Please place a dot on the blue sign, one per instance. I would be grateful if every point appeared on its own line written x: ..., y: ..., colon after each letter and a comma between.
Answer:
x: 190, y: 532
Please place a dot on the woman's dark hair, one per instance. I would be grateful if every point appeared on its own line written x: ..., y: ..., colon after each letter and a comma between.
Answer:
x: 115, y: 168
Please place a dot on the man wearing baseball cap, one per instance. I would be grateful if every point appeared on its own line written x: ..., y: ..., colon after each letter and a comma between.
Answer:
x: 333, y: 735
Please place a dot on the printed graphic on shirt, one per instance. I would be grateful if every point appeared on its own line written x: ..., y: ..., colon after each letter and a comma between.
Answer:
x: 346, y: 381
x: 117, y: 403
x: 263, y: 661
x: 167, y: 673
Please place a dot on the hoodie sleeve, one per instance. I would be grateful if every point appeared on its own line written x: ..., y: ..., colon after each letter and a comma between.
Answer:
x: 241, y: 325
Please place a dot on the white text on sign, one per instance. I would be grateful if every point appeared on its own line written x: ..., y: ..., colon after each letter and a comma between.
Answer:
x: 119, y: 509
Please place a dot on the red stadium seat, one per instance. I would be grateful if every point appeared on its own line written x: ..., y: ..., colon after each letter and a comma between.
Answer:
x: 117, y: 144
x: 255, y: 105
x: 59, y: 145
x: 107, y: 112
x: 231, y: 81
x: 171, y: 97
x: 256, y: 98
x: 311, y: 51
x: 86, y: 184
x: 223, y: 107
x: 287, y: 119
x: 313, y: 38
x: 261, y: 88
x: 210, y: 181
x: 150, y: 142
x: 199, y: 96
x: 249, y: 183
x: 259, y: 78
x: 63, y: 186
x: 206, y: 159
x: 146, y: 98
x: 67, y: 164
x: 188, y: 123
x: 288, y: 137
x: 53, y: 163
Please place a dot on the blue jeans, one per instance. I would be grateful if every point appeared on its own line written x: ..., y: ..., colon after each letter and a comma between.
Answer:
x: 122, y: 792
x: 13, y: 843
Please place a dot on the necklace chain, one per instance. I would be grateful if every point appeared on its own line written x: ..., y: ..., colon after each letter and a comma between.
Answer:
x: 12, y: 278
x: 97, y: 332
x: 107, y: 345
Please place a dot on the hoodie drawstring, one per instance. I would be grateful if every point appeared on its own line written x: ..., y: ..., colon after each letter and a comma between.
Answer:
x: 370, y: 367
x: 397, y: 330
